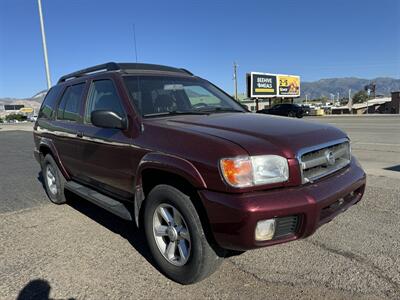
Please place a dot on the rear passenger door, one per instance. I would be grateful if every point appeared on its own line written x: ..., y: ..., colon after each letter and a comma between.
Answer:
x: 68, y: 119
x: 105, y: 152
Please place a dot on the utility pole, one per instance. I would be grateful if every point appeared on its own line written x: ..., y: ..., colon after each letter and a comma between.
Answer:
x: 134, y: 41
x: 46, y: 62
x: 350, y: 102
x: 235, y: 79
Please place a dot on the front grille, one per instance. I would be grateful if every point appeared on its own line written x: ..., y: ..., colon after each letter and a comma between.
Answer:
x: 324, y: 160
x: 286, y: 226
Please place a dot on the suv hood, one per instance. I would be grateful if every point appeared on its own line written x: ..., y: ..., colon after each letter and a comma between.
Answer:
x: 258, y: 133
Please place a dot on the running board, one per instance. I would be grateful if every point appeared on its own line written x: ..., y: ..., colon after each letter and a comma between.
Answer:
x: 113, y: 206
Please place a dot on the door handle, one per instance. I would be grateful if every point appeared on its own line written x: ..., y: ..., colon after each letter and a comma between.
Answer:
x: 79, y: 134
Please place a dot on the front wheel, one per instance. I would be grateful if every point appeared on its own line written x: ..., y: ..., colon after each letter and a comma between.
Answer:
x: 176, y: 237
x: 292, y: 114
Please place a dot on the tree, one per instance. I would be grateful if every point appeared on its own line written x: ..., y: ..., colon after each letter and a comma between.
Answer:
x: 360, y: 97
x: 17, y: 117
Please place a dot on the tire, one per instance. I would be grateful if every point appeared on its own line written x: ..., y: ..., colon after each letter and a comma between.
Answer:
x: 201, y: 260
x: 291, y: 114
x: 54, y: 181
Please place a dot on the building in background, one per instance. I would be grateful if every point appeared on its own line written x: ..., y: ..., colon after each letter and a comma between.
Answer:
x: 385, y: 105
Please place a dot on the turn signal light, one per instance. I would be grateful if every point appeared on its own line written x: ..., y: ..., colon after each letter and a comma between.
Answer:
x: 238, y: 171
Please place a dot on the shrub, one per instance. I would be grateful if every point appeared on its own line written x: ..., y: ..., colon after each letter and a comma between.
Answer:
x: 17, y: 117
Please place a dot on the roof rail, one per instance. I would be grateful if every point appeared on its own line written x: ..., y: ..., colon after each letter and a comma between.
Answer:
x: 111, y: 66
x: 186, y: 71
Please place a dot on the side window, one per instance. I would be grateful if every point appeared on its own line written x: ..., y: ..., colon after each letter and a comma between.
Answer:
x: 49, y: 102
x: 70, y: 103
x: 199, y: 96
x: 103, y: 96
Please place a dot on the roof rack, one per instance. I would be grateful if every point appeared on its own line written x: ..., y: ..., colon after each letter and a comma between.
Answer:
x: 112, y: 66
x: 186, y: 71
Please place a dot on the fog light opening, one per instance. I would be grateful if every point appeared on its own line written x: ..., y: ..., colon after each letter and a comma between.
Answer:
x: 265, y: 230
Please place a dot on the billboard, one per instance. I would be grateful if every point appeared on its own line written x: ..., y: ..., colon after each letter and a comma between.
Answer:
x: 26, y: 110
x: 289, y: 86
x: 266, y: 85
x: 262, y: 85
x: 13, y: 106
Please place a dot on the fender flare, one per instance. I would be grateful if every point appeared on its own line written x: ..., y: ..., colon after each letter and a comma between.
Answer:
x: 48, y: 143
x: 168, y: 163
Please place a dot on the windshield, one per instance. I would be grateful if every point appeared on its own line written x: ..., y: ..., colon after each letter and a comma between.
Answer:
x: 163, y: 95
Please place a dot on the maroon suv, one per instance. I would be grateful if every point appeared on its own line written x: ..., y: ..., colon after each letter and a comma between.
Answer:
x: 202, y: 176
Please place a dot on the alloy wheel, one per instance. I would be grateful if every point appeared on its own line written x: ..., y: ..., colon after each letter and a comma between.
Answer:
x: 51, y: 179
x: 171, y: 234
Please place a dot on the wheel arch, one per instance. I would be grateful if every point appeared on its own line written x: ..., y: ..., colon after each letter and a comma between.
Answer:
x: 46, y: 146
x: 159, y: 168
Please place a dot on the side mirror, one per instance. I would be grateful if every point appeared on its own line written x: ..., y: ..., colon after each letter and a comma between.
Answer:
x: 108, y: 119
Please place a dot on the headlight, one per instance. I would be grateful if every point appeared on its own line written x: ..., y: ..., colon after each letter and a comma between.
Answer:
x: 246, y: 171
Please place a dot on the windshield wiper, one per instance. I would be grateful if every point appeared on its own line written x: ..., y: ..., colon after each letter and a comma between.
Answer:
x: 176, y: 112
x: 220, y: 109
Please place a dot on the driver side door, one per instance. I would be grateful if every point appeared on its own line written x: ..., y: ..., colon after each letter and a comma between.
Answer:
x: 105, y: 152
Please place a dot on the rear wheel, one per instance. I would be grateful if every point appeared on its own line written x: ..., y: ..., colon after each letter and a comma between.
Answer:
x: 176, y: 238
x: 54, y: 181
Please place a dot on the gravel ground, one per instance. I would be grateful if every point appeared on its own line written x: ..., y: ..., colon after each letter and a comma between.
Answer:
x: 79, y: 251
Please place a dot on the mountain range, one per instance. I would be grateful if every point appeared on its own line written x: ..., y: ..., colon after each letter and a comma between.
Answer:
x: 326, y: 87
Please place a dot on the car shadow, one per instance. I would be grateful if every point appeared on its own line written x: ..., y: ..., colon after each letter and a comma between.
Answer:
x: 38, y: 289
x: 126, y: 229
x: 41, y: 179
x: 395, y: 168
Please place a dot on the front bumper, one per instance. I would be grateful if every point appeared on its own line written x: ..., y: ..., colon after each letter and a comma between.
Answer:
x: 233, y: 217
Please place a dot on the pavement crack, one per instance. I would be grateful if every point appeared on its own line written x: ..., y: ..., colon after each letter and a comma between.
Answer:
x: 311, y: 283
x: 360, y: 259
x: 256, y: 277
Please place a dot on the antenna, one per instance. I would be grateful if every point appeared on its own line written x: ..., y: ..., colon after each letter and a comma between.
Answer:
x: 134, y: 41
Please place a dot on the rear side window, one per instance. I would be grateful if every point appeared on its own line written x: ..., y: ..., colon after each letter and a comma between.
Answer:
x: 49, y: 102
x: 70, y: 103
x: 103, y: 96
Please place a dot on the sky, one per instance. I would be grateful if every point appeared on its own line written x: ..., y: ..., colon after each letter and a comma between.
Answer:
x: 311, y: 38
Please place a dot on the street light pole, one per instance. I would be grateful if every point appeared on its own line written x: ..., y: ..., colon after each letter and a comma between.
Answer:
x: 235, y: 79
x: 46, y: 62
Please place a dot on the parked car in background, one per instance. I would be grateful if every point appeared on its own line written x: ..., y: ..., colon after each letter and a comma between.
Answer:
x: 306, y: 110
x: 204, y: 178
x: 284, y: 109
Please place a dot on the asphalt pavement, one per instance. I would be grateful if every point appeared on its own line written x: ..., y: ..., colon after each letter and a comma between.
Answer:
x: 79, y: 251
